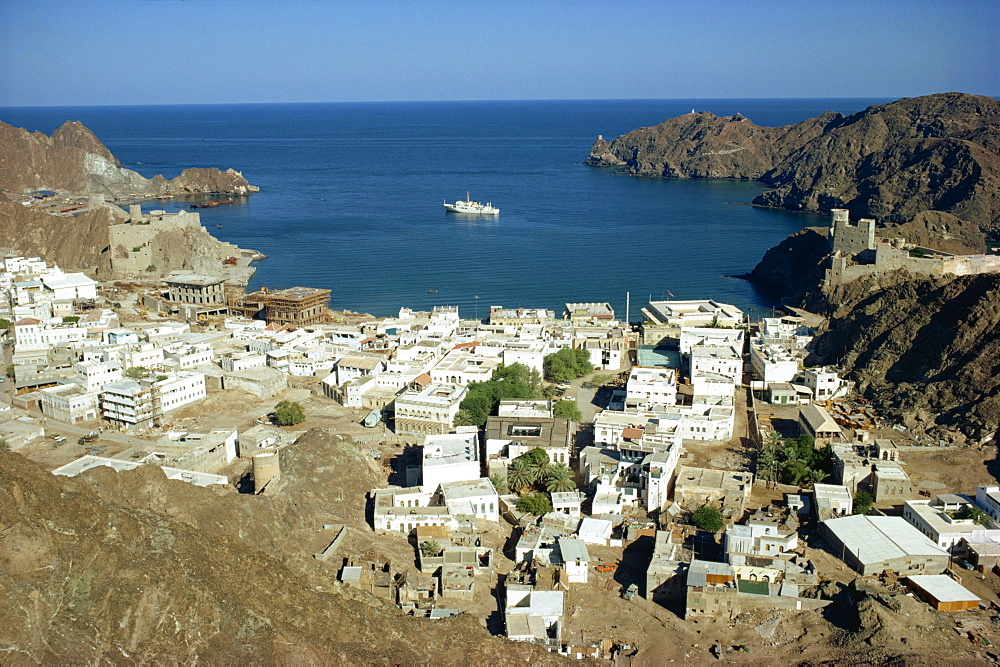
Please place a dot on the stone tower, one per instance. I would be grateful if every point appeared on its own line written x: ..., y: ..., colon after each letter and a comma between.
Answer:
x: 851, y: 238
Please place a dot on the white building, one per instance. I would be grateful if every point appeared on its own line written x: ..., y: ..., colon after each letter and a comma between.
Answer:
x: 70, y: 286
x: 832, y: 500
x: 823, y: 381
x: 705, y: 385
x: 69, y: 403
x: 143, y: 403
x: 189, y: 356
x: 430, y: 409
x: 403, y: 510
x: 144, y: 355
x: 575, y: 559
x: 940, y: 521
x: 462, y: 367
x: 476, y: 497
x: 720, y: 360
x: 652, y: 386
x: 605, y: 353
x: 354, y: 366
x: 698, y: 313
x: 532, y: 615
x: 772, y: 363
x: 93, y: 375
x: 31, y: 332
x: 449, y: 458
x: 760, y: 536
x: 241, y: 361
x: 693, y: 336
x: 595, y: 531
x: 788, y: 332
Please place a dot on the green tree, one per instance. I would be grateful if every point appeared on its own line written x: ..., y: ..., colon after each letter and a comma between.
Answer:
x: 289, y: 413
x: 4, y: 323
x: 567, y: 409
x: 972, y: 512
x: 520, y: 476
x: 535, y: 503
x: 707, y: 518
x: 10, y: 371
x: 71, y: 319
x: 538, y: 464
x: 464, y: 418
x: 515, y: 381
x: 863, y: 502
x: 500, y: 482
x: 430, y: 548
x: 136, y: 372
x: 567, y: 364
x: 559, y: 478
x: 4, y: 446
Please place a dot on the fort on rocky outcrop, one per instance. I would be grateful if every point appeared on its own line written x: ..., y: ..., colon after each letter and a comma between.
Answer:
x: 855, y: 252
x: 157, y: 243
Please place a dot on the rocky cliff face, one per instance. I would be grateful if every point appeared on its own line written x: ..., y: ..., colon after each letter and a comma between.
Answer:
x: 74, y: 243
x: 891, y: 161
x: 925, y: 350
x: 136, y: 568
x: 73, y: 160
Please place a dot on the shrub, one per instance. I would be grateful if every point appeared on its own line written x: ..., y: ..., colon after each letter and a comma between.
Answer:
x: 707, y: 518
x: 289, y: 413
x: 535, y: 503
x: 863, y: 502
x: 567, y: 410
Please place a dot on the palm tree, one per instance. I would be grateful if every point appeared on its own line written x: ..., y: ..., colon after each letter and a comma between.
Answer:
x: 560, y: 478
x: 817, y: 476
x: 520, y: 475
x: 540, y: 470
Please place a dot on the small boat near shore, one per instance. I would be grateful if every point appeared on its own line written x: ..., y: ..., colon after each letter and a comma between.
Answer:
x: 469, y: 206
x: 210, y: 204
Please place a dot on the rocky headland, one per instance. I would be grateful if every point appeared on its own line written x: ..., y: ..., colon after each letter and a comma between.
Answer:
x: 937, y: 153
x: 927, y: 169
x: 74, y: 163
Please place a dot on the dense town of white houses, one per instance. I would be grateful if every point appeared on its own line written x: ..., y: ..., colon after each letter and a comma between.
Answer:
x: 682, y: 378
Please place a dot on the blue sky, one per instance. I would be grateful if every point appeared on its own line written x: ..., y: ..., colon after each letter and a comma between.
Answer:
x: 219, y: 51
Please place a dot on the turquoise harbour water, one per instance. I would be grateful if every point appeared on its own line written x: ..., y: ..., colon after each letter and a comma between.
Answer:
x: 351, y: 198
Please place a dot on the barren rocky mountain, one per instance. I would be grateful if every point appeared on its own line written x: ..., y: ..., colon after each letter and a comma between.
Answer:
x: 136, y: 568
x: 73, y: 242
x: 890, y: 161
x: 925, y: 350
x: 73, y: 160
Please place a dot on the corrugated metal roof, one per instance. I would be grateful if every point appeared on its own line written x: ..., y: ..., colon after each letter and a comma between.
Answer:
x: 942, y: 588
x: 873, y: 539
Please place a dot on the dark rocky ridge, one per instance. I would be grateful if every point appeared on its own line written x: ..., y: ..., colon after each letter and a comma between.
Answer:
x: 74, y: 161
x: 891, y: 161
x: 926, y: 351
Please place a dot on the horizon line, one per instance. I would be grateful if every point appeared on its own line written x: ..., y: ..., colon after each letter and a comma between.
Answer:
x: 476, y: 101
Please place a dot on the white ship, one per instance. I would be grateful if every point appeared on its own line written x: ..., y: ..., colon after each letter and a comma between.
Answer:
x: 469, y: 206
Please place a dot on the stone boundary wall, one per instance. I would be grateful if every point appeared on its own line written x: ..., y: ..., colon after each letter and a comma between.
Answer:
x: 890, y: 258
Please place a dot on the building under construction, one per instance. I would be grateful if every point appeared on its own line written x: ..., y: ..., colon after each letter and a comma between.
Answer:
x: 297, y: 306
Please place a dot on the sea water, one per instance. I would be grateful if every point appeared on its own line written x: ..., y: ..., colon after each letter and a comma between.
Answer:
x: 351, y: 198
